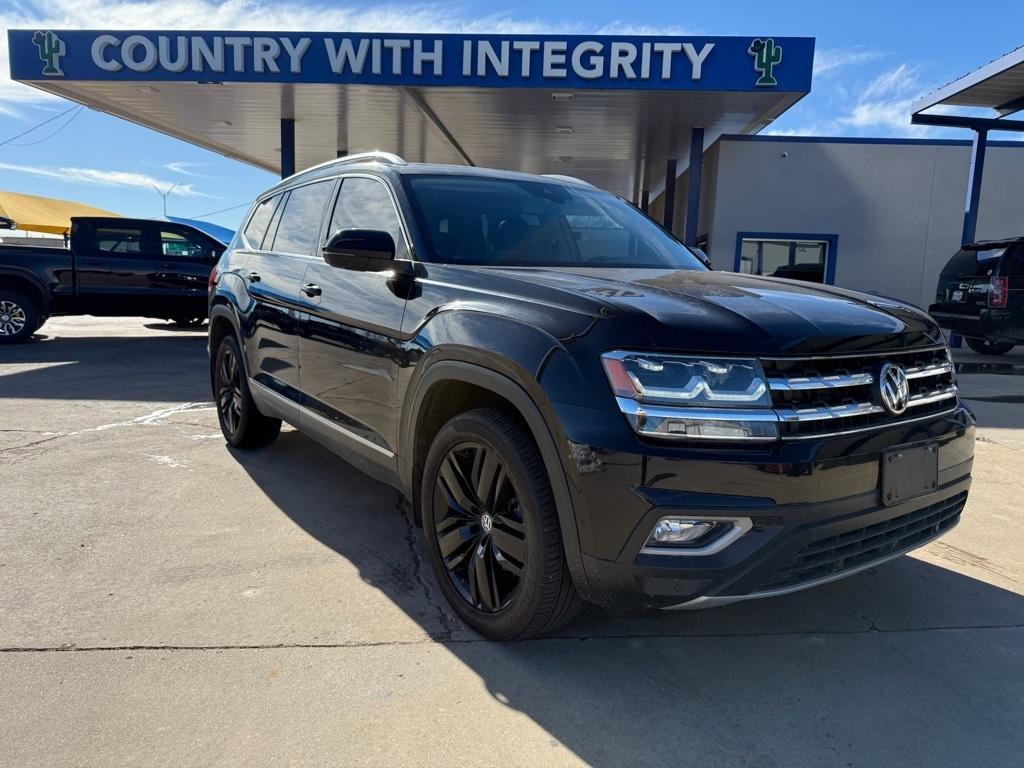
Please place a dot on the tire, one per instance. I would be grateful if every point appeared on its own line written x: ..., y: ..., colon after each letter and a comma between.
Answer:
x: 240, y: 421
x: 19, y: 317
x: 491, y: 529
x: 187, y: 322
x: 986, y: 347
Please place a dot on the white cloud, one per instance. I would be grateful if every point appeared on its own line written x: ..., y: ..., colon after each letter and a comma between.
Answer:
x: 183, y: 169
x: 887, y: 102
x: 834, y: 61
x: 105, y: 178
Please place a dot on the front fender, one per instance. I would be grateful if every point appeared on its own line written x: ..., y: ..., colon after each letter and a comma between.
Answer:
x: 498, y: 375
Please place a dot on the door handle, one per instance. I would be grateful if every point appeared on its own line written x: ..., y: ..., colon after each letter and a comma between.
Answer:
x: 311, y: 289
x: 254, y: 277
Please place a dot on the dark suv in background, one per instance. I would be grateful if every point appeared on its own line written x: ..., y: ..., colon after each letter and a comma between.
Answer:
x: 576, y: 407
x: 980, y: 295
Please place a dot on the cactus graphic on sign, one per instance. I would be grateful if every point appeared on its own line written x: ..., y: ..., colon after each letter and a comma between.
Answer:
x: 766, y: 56
x: 51, y: 48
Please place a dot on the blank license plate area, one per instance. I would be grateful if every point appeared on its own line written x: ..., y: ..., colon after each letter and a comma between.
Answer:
x: 909, y: 471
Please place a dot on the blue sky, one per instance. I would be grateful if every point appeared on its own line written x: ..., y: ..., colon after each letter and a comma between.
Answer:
x: 873, y: 60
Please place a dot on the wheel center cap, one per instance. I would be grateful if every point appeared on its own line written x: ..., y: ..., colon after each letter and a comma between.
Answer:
x: 5, y: 318
x: 486, y: 522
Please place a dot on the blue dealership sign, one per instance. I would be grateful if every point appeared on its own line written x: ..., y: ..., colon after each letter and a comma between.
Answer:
x: 495, y: 61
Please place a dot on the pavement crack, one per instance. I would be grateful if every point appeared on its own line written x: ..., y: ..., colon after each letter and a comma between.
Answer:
x: 476, y: 640
x: 448, y: 625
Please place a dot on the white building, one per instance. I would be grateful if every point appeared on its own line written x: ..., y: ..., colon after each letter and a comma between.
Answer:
x: 876, y: 215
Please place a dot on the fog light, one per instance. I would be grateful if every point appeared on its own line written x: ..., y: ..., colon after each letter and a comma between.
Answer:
x: 674, y: 530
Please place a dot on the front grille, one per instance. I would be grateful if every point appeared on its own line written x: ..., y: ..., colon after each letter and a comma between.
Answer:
x: 844, y: 551
x: 817, y: 396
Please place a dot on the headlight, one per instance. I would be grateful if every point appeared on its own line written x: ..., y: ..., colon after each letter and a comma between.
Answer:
x: 694, y: 397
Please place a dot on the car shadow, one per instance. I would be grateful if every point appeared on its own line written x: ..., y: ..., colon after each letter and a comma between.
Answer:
x: 906, y: 664
x: 170, y: 368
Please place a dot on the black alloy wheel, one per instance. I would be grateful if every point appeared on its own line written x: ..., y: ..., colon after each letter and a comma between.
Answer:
x: 240, y: 420
x: 229, y: 390
x: 479, y: 526
x: 491, y: 526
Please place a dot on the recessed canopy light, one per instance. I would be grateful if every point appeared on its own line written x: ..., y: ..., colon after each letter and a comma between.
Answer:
x: 228, y: 123
x: 147, y: 89
x: 561, y: 97
x: 564, y: 130
x: 565, y: 158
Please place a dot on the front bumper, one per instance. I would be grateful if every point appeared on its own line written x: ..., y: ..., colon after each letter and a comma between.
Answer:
x: 815, y: 510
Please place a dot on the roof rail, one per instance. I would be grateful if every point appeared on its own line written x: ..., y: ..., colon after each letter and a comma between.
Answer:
x: 359, y: 157
x: 372, y: 156
x: 563, y: 177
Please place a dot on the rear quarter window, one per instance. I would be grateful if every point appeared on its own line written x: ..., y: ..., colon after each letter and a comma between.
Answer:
x: 256, y: 229
x: 303, y: 214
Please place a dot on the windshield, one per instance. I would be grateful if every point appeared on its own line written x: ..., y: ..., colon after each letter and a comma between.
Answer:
x: 526, y: 223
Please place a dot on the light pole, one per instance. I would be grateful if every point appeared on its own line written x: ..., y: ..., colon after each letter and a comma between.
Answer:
x: 164, y: 195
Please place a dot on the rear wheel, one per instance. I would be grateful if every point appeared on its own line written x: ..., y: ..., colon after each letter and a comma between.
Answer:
x: 183, y: 321
x: 19, y: 317
x: 491, y: 529
x: 986, y: 347
x: 240, y: 421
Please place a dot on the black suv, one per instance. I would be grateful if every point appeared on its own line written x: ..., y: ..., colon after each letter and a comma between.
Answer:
x: 577, y: 408
x: 980, y: 295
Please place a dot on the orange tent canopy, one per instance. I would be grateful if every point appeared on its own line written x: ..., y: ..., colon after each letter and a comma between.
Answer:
x: 44, y: 214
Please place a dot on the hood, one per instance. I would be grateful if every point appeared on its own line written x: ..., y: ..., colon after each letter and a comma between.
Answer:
x: 690, y: 310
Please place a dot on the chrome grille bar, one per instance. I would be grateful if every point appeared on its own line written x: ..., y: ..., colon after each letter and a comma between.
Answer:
x: 823, y: 412
x: 804, y: 383
x: 926, y: 398
x: 924, y: 371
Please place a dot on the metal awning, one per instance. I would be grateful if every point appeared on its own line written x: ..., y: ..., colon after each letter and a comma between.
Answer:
x: 611, y: 110
x: 999, y: 85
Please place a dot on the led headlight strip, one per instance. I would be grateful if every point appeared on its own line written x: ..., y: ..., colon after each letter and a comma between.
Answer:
x: 692, y: 397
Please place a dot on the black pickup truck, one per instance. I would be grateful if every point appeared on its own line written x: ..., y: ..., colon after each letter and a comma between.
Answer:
x: 114, y: 266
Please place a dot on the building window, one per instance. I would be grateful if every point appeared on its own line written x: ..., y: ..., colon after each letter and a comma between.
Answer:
x: 796, y: 258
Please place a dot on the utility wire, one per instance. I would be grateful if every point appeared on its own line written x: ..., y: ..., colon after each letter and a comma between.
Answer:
x: 40, y: 125
x: 48, y: 136
x: 222, y: 210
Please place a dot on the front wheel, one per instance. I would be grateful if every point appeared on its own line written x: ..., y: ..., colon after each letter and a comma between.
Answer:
x: 240, y: 421
x: 491, y: 528
x: 986, y: 347
x: 19, y: 317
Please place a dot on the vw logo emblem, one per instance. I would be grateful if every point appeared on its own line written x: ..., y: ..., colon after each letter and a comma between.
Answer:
x: 894, y: 389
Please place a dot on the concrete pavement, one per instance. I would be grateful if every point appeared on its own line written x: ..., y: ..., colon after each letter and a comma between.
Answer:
x: 167, y: 601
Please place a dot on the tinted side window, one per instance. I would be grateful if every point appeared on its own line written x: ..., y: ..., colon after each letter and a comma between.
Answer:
x: 119, y: 240
x: 180, y: 245
x: 257, y: 227
x: 366, y: 204
x: 302, y: 216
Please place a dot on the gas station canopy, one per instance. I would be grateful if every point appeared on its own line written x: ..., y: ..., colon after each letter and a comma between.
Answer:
x: 616, y: 111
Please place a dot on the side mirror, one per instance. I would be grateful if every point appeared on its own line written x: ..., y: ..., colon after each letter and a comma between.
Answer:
x: 365, y: 250
x: 705, y: 259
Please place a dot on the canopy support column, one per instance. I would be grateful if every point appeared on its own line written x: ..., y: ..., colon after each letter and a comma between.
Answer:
x: 975, y: 174
x: 670, y: 193
x: 287, y: 147
x: 693, y: 188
